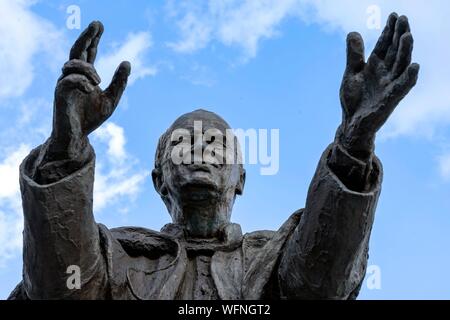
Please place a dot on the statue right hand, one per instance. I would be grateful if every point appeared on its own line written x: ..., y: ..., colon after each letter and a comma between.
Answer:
x: 80, y: 106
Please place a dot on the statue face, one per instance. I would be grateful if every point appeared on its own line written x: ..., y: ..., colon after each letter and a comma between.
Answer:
x: 199, y: 175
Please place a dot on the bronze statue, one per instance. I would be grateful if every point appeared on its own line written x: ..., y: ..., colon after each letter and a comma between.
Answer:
x: 319, y: 253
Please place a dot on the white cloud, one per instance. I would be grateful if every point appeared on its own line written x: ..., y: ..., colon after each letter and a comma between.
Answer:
x: 11, y: 218
x: 251, y: 21
x: 115, y: 185
x: 24, y: 35
x: 114, y: 136
x: 134, y: 50
x: 9, y: 183
x: 195, y: 33
x: 116, y: 179
x: 239, y: 23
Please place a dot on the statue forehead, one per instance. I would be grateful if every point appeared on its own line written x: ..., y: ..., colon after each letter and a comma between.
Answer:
x: 206, y: 118
x: 209, y: 120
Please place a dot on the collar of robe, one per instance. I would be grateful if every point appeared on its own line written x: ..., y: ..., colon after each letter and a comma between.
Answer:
x: 229, y: 239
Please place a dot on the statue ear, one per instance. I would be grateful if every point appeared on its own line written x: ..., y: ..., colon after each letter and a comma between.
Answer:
x: 158, y: 182
x: 241, y: 183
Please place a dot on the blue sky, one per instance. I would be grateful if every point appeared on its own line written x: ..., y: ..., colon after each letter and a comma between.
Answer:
x: 259, y: 64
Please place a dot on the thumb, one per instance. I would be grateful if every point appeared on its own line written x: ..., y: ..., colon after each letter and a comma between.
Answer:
x: 118, y: 84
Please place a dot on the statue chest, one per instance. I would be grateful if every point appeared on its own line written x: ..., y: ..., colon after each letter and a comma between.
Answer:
x: 198, y: 283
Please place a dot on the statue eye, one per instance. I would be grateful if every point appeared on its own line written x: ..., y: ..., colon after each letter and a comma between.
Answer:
x: 176, y: 142
x: 221, y: 141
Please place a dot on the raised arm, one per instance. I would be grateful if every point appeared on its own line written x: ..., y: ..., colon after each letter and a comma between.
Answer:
x: 326, y: 256
x: 57, y: 181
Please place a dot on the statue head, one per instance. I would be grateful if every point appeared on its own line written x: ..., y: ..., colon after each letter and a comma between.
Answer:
x: 195, y: 175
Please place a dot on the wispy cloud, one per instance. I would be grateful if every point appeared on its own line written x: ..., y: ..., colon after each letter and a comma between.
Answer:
x: 134, y: 49
x: 116, y: 178
x: 195, y: 33
x: 114, y: 136
x: 235, y: 23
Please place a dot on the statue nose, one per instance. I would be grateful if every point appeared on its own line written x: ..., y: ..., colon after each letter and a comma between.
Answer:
x: 198, y: 149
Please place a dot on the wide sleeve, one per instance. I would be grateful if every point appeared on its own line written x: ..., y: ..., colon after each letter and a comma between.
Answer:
x: 326, y: 256
x: 60, y: 235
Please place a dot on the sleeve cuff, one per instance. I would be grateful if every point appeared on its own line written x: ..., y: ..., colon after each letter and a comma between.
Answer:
x: 353, y: 172
x: 54, y: 171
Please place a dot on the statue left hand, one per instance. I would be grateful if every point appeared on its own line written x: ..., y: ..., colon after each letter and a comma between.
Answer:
x: 371, y: 91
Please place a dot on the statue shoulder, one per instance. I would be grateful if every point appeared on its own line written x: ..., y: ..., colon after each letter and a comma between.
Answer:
x: 264, y: 241
x: 258, y: 239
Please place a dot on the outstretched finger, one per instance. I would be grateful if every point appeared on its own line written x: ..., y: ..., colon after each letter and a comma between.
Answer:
x: 401, y: 86
x: 81, y: 45
x: 92, y: 50
x: 385, y: 40
x: 401, y: 27
x: 404, y: 55
x: 118, y: 84
x: 355, y: 52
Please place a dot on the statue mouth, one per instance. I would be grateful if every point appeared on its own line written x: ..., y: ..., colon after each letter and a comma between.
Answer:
x: 199, y: 190
x: 201, y: 167
x: 200, y: 178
